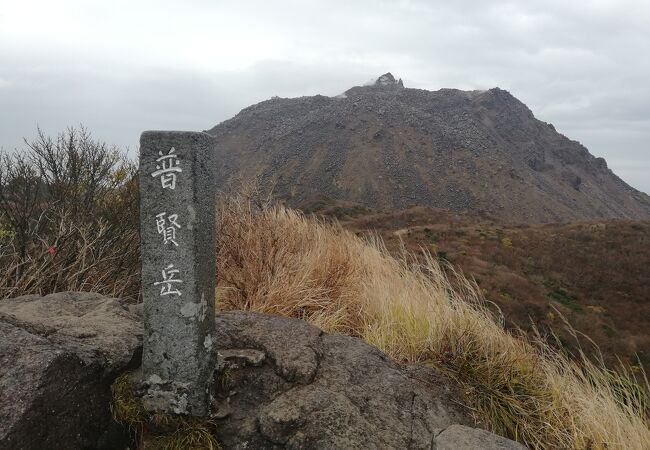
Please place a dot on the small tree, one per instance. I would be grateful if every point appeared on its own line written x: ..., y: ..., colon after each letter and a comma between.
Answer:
x: 77, y: 169
x: 21, y: 189
x: 68, y: 217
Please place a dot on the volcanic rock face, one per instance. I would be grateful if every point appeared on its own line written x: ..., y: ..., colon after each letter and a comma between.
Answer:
x: 59, y: 355
x: 284, y: 384
x: 388, y: 79
x: 386, y: 146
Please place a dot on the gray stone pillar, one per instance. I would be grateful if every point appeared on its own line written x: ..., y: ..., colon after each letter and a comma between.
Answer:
x: 177, y: 222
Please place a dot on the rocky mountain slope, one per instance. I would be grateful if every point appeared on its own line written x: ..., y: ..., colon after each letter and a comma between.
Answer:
x: 386, y: 146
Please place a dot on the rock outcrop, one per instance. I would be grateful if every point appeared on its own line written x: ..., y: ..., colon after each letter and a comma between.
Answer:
x: 59, y: 355
x: 461, y: 437
x: 388, y: 79
x: 282, y: 383
x: 285, y: 384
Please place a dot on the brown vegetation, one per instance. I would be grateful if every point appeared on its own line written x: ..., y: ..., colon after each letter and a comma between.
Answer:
x: 68, y: 218
x: 594, y: 274
x: 278, y: 261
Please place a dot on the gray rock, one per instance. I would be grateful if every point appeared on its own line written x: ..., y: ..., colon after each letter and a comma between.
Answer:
x: 314, y: 390
x: 238, y: 357
x: 59, y: 355
x: 281, y: 383
x: 136, y: 308
x: 461, y: 437
x: 388, y: 79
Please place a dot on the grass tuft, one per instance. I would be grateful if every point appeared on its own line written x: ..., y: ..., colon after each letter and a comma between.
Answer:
x: 155, y: 431
x: 127, y: 408
x: 190, y: 434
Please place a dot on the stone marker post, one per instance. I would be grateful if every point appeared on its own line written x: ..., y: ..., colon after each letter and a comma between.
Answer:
x: 177, y: 222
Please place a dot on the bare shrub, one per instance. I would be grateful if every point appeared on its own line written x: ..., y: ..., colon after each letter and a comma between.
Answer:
x: 76, y: 169
x: 21, y: 192
x: 68, y: 218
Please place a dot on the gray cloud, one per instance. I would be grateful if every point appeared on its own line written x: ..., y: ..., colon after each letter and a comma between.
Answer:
x: 121, y: 69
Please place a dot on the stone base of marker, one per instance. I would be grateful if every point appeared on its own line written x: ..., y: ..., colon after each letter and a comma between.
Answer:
x: 171, y: 397
x: 177, y: 223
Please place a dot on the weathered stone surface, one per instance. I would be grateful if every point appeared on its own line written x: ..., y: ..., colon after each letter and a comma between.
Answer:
x: 177, y: 214
x: 242, y: 357
x: 59, y: 355
x: 315, y: 390
x: 281, y: 383
x: 461, y: 437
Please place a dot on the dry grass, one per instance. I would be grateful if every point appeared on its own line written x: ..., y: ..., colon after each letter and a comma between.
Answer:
x: 595, y: 273
x: 278, y: 261
x: 92, y: 256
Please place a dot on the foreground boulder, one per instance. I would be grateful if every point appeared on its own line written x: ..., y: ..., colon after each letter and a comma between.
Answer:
x: 286, y: 384
x: 59, y: 355
x: 281, y: 384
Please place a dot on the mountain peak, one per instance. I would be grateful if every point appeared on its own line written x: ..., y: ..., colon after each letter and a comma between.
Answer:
x: 387, y: 147
x: 388, y: 79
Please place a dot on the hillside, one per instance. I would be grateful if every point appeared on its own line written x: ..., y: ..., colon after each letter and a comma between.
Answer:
x: 386, y: 146
x: 595, y: 273
x: 277, y: 261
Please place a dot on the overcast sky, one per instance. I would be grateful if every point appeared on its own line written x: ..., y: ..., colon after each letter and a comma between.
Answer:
x: 121, y: 67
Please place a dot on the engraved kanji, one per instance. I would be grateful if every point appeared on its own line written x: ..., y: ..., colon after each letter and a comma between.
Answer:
x: 167, y: 227
x: 169, y: 275
x: 167, y: 169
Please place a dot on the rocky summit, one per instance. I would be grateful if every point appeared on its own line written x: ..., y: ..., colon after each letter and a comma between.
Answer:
x: 387, y: 147
x: 388, y: 79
